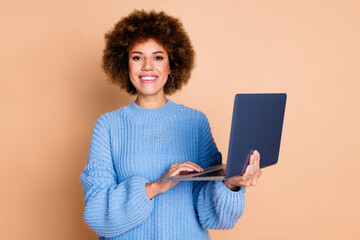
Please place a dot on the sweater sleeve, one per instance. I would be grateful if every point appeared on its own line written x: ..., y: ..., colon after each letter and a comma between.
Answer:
x: 111, y: 208
x: 217, y: 206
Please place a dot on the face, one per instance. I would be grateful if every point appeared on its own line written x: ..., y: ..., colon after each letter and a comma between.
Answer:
x: 149, y: 68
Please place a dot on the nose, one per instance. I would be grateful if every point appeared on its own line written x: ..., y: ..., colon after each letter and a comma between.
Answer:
x: 147, y: 65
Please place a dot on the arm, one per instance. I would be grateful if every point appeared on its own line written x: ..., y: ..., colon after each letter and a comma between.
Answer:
x: 111, y: 208
x: 154, y: 188
x: 217, y: 206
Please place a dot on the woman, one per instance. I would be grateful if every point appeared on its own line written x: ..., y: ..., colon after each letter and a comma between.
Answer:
x: 133, y: 148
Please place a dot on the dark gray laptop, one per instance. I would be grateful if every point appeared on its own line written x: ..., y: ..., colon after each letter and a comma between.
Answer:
x: 256, y: 125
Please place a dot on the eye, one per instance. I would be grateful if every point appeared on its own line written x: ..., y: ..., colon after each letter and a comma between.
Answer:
x: 159, y: 58
x: 136, y: 58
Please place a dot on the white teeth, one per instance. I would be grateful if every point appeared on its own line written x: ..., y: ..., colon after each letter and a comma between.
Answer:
x: 148, y: 78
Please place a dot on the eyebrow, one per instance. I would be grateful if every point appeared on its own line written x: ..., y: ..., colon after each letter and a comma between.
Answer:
x: 138, y: 52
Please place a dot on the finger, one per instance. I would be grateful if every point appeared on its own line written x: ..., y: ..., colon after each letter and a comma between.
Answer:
x: 180, y: 169
x: 192, y: 165
x: 198, y: 167
x: 246, y: 175
x: 258, y: 157
x: 254, y: 181
x: 252, y: 164
x: 256, y: 177
x: 187, y: 166
x: 256, y: 161
x: 174, y: 164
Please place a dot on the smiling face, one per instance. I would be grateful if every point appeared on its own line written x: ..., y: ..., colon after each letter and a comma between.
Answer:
x: 149, y: 68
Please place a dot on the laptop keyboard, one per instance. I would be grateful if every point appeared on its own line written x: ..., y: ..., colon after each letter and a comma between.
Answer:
x: 220, y: 172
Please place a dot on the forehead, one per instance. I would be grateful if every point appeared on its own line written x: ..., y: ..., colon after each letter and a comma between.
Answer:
x: 148, y: 45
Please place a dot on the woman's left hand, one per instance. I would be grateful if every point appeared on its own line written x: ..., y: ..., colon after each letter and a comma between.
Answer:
x: 250, y: 177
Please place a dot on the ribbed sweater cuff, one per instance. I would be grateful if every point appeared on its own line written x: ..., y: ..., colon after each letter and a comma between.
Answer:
x: 140, y: 199
x: 223, y: 187
x: 231, y: 201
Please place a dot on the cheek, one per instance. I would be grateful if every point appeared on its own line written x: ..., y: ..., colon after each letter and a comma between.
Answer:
x: 132, y: 75
x: 134, y: 66
x: 165, y: 69
x: 131, y: 69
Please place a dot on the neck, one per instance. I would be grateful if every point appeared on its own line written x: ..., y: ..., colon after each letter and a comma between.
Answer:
x: 151, y: 102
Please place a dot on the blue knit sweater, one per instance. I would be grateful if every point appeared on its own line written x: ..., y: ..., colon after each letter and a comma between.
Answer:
x: 132, y: 146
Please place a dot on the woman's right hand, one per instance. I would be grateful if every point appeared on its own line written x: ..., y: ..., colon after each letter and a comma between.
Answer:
x: 154, y: 188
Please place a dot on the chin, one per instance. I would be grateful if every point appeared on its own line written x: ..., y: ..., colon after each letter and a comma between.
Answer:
x: 149, y: 93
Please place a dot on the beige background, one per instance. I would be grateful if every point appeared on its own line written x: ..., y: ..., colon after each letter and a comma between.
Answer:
x: 53, y: 90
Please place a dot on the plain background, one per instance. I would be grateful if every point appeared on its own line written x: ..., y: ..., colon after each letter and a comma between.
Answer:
x: 53, y: 90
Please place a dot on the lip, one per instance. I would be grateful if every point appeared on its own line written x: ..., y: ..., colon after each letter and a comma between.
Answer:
x: 148, y: 78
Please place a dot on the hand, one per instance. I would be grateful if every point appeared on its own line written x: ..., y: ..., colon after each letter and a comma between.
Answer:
x: 250, y: 177
x: 159, y: 186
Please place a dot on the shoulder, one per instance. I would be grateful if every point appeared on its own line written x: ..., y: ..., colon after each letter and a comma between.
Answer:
x: 107, y: 119
x: 194, y: 115
x: 189, y: 111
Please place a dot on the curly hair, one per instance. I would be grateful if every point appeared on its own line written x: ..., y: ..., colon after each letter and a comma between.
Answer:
x: 137, y: 27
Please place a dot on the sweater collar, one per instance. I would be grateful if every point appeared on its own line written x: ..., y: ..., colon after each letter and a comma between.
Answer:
x: 150, y: 115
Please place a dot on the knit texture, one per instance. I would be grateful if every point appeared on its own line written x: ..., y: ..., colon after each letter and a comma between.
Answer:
x: 132, y: 146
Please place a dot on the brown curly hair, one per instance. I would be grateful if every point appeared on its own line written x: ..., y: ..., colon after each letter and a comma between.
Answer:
x: 137, y: 27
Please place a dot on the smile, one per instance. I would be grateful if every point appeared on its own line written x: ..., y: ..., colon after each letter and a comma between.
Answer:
x: 148, y: 79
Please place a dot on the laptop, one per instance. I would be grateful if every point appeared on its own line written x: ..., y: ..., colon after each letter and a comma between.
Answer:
x: 257, y: 124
